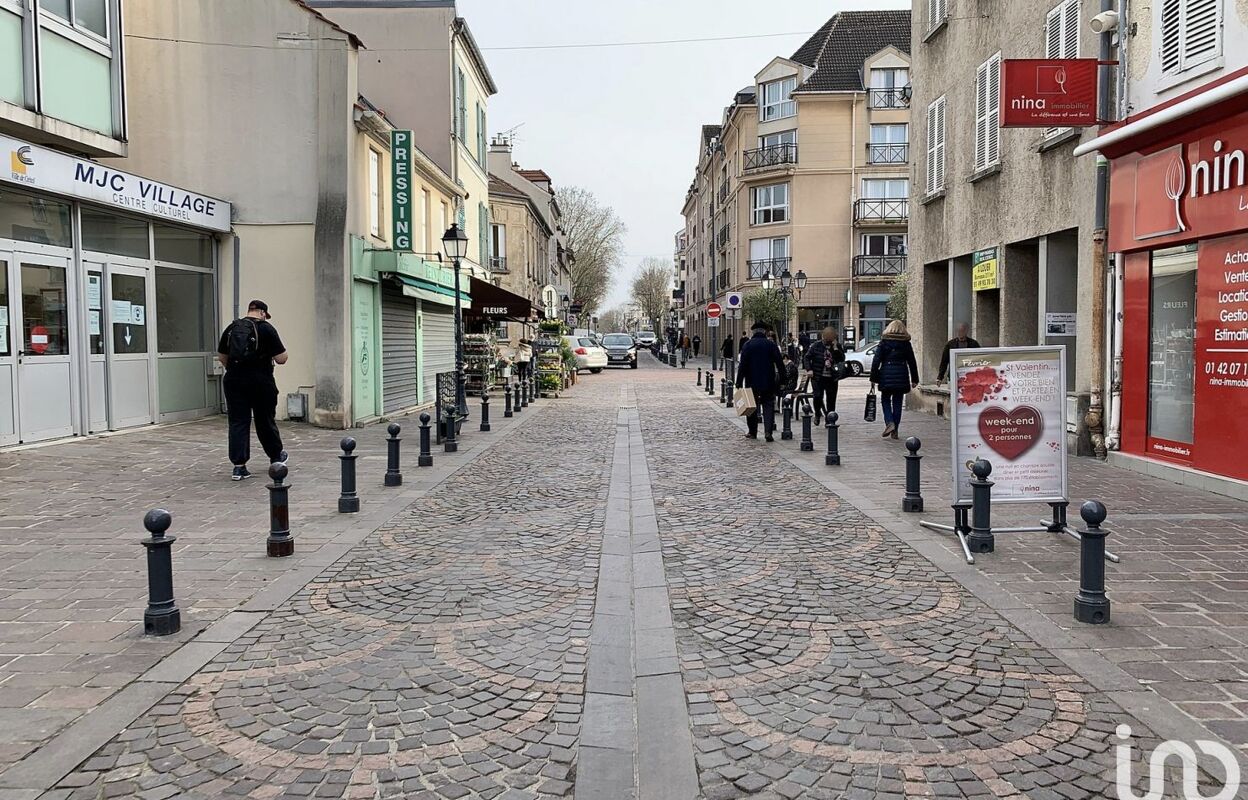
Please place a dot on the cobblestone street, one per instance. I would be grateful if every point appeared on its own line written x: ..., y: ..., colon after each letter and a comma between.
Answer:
x: 612, y: 596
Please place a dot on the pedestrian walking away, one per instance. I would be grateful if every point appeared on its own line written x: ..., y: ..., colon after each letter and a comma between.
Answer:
x: 697, y: 345
x: 960, y: 341
x: 803, y: 341
x: 685, y: 346
x: 791, y: 349
x: 524, y: 355
x: 761, y: 370
x: 249, y: 348
x: 825, y: 363
x: 725, y: 349
x: 896, y: 372
x: 741, y: 343
x: 791, y: 374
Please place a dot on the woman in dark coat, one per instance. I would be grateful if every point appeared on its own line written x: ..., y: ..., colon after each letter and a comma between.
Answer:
x: 896, y: 372
x: 725, y: 349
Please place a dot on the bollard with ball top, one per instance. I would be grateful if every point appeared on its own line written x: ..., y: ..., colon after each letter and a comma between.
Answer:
x: 394, y: 477
x: 507, y: 412
x: 426, y: 455
x: 728, y: 397
x: 449, y: 445
x: 162, y: 616
x: 485, y: 411
x: 280, y: 542
x: 710, y: 385
x: 981, y: 539
x: 699, y: 376
x: 913, y: 500
x: 348, y: 500
x: 833, y: 457
x: 786, y: 415
x: 723, y: 391
x: 807, y: 444
x: 1092, y: 604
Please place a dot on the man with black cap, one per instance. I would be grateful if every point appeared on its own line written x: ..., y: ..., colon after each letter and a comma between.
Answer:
x: 761, y: 369
x: 248, y: 350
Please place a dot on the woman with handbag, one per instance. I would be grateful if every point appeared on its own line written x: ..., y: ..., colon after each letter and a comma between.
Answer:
x: 824, y: 361
x: 896, y: 372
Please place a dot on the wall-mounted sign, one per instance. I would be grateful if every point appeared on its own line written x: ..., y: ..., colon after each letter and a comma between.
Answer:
x: 1010, y: 409
x: 1048, y: 93
x: 34, y: 167
x: 1059, y: 323
x: 984, y: 272
x: 401, y: 190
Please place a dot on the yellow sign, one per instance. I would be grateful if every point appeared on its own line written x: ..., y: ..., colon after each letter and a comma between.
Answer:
x: 984, y: 270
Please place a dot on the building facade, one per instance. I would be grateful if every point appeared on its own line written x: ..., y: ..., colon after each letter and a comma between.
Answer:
x: 1178, y: 227
x: 108, y: 276
x: 1003, y: 220
x: 809, y: 171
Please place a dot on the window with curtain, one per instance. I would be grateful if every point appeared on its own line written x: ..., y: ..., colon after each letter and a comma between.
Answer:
x: 777, y: 99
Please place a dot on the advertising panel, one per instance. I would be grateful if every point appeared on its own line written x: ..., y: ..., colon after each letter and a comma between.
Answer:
x: 1221, y: 405
x: 1048, y: 93
x: 1010, y: 410
x: 984, y: 270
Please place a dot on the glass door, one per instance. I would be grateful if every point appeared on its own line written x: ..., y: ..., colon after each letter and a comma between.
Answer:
x: 8, y: 355
x: 44, y: 371
x: 129, y: 345
x: 97, y: 377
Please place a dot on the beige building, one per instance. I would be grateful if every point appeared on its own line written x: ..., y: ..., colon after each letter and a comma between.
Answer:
x: 809, y: 171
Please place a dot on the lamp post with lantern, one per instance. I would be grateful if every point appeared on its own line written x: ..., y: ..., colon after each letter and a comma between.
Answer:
x: 790, y: 286
x: 455, y: 245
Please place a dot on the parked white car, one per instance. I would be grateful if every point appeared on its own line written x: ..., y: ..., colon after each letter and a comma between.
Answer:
x: 589, y: 354
x: 858, y: 362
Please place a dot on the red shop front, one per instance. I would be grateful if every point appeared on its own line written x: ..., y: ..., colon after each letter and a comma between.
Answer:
x: 1179, y: 219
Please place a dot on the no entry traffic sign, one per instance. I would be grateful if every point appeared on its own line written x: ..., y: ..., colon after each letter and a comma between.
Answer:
x: 713, y: 310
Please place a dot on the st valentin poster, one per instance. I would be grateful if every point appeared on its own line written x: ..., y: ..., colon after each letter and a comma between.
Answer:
x: 1010, y: 409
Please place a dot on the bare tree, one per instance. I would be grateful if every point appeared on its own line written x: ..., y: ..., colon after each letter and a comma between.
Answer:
x: 596, y: 238
x: 652, y: 289
x: 612, y: 320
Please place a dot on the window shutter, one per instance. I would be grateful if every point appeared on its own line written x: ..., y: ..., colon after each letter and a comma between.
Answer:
x: 1070, y: 32
x: 1053, y: 33
x: 981, y: 122
x: 993, y: 123
x: 1201, y: 34
x: 931, y: 148
x: 1171, y: 34
x: 940, y: 143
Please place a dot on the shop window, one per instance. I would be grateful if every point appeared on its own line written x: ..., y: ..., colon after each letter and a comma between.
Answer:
x: 182, y: 246
x: 184, y: 303
x: 112, y: 233
x: 28, y: 218
x: 1172, y: 354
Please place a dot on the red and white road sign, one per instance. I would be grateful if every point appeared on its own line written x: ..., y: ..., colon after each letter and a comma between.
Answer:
x: 713, y: 310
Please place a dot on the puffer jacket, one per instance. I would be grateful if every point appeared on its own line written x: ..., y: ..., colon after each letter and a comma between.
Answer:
x: 894, y: 368
x: 817, y: 358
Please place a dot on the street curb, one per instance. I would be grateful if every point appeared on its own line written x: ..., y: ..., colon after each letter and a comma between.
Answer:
x: 1160, y: 715
x: 45, y: 766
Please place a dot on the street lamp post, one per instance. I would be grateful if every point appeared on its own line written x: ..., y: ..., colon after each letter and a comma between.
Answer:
x: 455, y: 245
x: 790, y: 286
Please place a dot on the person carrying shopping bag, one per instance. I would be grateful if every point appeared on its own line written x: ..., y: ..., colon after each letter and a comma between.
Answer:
x: 896, y: 372
x: 824, y: 361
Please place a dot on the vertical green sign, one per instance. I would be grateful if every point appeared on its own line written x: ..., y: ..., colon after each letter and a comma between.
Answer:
x: 401, y: 190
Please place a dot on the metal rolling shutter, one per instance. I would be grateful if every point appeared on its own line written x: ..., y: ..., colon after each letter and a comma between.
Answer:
x: 438, y: 343
x: 399, y: 389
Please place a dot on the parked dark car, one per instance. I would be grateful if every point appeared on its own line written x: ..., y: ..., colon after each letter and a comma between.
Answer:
x: 621, y: 350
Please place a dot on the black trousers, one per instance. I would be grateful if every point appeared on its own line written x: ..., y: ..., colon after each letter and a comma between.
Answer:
x: 767, y: 410
x: 245, y: 397
x: 824, y: 391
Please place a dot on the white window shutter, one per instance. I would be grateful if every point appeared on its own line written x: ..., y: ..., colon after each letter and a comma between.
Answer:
x: 1070, y: 29
x: 931, y: 147
x: 994, y: 109
x: 939, y: 154
x: 1053, y: 33
x: 1202, y: 36
x: 981, y: 103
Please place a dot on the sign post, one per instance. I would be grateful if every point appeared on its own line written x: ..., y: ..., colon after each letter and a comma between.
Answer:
x: 713, y: 310
x: 401, y: 190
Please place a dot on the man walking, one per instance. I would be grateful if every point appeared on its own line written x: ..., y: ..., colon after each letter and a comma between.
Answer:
x: 762, y: 368
x: 697, y: 345
x: 248, y: 350
x: 961, y: 341
x: 824, y: 362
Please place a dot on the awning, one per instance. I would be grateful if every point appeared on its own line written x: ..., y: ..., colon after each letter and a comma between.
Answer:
x: 498, y: 303
x: 430, y: 292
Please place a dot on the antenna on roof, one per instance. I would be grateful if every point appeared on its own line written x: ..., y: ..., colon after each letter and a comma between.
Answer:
x: 509, y: 137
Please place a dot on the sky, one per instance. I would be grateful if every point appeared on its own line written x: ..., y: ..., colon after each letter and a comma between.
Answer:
x: 624, y: 122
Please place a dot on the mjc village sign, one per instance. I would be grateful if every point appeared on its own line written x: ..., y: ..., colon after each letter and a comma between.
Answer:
x: 1048, y: 93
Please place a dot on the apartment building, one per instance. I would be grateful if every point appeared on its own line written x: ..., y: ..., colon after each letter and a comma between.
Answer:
x: 1178, y: 308
x: 1003, y: 220
x: 809, y: 171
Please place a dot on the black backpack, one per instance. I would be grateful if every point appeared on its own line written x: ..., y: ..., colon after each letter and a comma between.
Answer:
x: 244, y: 339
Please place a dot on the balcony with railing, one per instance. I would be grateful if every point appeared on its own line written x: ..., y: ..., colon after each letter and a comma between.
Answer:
x: 892, y: 153
x: 498, y: 263
x: 881, y: 211
x: 898, y: 97
x: 878, y: 266
x: 723, y: 193
x: 772, y: 157
x: 768, y: 266
x: 721, y: 239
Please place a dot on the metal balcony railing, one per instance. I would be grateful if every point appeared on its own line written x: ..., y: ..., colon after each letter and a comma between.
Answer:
x: 768, y: 266
x: 498, y: 263
x: 888, y: 98
x: 721, y: 239
x: 876, y: 211
x: 723, y: 193
x: 868, y: 266
x: 777, y: 155
x: 888, y: 153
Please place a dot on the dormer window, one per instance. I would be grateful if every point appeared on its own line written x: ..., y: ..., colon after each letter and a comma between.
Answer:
x: 777, y: 99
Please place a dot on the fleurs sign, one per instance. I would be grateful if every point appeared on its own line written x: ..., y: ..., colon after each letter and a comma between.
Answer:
x: 1048, y: 93
x: 1010, y: 409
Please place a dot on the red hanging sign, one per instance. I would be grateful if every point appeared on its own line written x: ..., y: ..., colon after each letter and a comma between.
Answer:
x: 1048, y: 93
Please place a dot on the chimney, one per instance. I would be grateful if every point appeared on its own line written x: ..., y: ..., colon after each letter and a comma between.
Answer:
x: 500, y: 144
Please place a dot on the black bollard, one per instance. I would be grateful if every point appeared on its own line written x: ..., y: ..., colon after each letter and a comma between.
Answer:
x: 507, y: 412
x: 786, y: 415
x: 833, y: 457
x: 348, y: 500
x: 1091, y: 604
x: 913, y: 501
x: 807, y: 444
x: 393, y: 476
x: 280, y: 542
x: 527, y: 390
x: 449, y: 445
x: 710, y: 385
x: 426, y: 455
x: 723, y: 391
x: 162, y: 616
x: 728, y: 399
x: 699, y: 376
x: 981, y: 539
x: 485, y: 411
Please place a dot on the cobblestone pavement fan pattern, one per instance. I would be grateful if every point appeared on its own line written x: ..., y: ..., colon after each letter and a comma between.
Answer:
x: 824, y: 658
x: 443, y: 658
